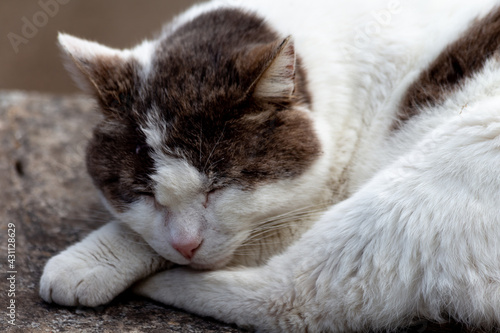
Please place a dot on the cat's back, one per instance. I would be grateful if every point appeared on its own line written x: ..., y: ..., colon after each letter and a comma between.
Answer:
x: 339, y: 41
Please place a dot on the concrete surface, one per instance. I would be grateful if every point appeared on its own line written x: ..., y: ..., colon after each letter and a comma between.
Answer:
x: 47, y: 197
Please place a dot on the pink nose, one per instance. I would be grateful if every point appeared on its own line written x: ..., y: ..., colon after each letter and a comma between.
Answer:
x: 187, y: 247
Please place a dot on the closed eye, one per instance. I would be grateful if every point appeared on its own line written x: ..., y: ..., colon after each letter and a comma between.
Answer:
x: 145, y: 193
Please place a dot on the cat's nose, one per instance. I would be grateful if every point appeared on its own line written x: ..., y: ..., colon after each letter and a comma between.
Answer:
x: 187, y: 247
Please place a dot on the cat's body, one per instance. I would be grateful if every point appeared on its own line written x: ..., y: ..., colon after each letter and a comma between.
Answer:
x: 224, y: 139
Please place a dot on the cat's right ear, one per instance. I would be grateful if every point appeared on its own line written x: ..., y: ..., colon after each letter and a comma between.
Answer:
x: 276, y: 81
x: 108, y: 74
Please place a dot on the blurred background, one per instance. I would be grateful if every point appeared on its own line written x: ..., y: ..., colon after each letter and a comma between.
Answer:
x: 29, y: 57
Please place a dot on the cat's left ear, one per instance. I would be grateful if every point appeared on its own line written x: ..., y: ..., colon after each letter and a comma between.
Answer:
x: 108, y: 74
x: 277, y: 80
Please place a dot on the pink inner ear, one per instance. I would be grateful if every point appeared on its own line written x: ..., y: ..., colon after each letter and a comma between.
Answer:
x: 278, y: 80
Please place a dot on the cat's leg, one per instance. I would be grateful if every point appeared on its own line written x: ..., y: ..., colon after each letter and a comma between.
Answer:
x: 420, y: 239
x: 95, y: 270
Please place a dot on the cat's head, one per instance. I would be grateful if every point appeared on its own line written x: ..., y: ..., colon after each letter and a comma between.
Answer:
x: 206, y: 133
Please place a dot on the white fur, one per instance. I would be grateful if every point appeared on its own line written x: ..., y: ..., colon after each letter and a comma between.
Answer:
x: 177, y: 183
x: 85, y: 49
x: 417, y: 232
x: 144, y: 53
x: 374, y: 261
x: 92, y: 272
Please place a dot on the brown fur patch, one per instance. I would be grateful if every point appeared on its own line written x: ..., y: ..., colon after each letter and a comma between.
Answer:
x: 204, y: 75
x: 112, y: 80
x: 201, y: 82
x: 116, y: 83
x: 447, y: 72
x: 119, y: 163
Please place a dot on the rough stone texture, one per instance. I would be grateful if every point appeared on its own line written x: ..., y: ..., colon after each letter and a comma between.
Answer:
x: 46, y: 193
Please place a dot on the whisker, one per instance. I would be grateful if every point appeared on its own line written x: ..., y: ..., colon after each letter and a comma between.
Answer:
x: 271, y: 221
x: 265, y: 230
x: 296, y: 212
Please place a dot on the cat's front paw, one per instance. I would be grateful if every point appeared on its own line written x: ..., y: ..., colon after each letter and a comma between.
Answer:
x: 71, y: 280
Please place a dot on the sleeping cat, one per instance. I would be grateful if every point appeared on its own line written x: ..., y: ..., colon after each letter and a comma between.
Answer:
x: 319, y: 165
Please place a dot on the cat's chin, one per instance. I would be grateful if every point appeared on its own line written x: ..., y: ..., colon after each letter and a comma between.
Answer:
x: 212, y: 265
